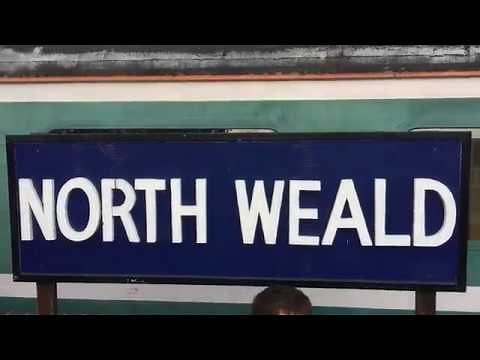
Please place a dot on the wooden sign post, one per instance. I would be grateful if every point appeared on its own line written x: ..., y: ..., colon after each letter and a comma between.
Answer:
x: 425, y: 302
x: 47, y: 298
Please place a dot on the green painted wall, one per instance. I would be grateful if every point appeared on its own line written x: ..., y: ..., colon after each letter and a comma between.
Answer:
x: 81, y: 307
x: 20, y: 306
x: 284, y: 116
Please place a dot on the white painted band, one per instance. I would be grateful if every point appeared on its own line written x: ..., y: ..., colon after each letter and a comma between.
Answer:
x: 345, y: 298
x: 243, y: 90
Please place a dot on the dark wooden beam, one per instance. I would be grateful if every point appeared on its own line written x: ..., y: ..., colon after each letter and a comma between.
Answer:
x: 47, y: 298
x: 425, y: 302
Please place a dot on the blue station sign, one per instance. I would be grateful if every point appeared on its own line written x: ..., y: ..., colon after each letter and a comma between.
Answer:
x: 382, y: 210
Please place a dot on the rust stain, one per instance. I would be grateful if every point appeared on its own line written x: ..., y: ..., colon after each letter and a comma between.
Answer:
x: 242, y: 77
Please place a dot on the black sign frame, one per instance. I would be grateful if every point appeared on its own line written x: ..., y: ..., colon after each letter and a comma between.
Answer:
x: 463, y: 210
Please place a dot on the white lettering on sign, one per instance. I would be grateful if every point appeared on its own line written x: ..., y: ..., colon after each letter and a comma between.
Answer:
x: 49, y: 211
x: 347, y: 194
x: 199, y: 211
x: 449, y: 213
x: 93, y: 204
x: 150, y: 186
x: 297, y: 213
x: 109, y: 211
x: 43, y: 210
x: 259, y: 208
x: 381, y: 238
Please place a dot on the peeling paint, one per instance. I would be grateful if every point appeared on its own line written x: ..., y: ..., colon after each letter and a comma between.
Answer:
x: 107, y: 60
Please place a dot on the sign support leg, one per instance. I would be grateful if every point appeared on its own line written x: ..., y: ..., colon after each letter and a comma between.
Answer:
x: 47, y: 298
x: 425, y: 302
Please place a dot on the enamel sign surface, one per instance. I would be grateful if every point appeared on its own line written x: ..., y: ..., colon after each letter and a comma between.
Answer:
x: 344, y: 210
